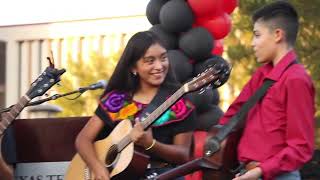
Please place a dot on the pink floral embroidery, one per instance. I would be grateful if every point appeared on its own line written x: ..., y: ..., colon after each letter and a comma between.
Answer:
x: 179, y: 108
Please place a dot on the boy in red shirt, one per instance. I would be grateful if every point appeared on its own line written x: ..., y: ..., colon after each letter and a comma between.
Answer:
x: 279, y: 129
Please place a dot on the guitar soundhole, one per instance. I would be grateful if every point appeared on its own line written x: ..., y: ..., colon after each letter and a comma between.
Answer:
x: 112, y: 156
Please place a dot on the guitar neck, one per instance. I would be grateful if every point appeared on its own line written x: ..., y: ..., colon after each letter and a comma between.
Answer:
x: 163, y: 107
x: 197, y: 83
x: 8, y: 117
x: 155, y: 115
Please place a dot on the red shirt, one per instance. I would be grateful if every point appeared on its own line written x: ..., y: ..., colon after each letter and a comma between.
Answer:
x: 279, y: 131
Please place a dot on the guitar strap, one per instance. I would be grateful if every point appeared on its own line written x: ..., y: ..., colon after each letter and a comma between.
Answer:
x: 258, y: 95
x: 240, y: 115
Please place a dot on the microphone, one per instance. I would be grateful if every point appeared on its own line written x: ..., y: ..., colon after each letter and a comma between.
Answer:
x: 101, y: 84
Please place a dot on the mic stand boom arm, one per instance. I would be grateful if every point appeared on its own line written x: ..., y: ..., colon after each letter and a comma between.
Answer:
x: 53, y: 97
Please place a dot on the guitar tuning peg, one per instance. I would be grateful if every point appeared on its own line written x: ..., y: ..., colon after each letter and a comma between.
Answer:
x: 202, y: 90
x: 142, y: 119
x: 147, y: 114
x: 217, y: 82
x: 218, y: 69
x: 228, y: 71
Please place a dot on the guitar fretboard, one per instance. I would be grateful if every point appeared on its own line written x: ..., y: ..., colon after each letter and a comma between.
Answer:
x: 8, y: 117
x: 154, y: 115
x: 163, y: 107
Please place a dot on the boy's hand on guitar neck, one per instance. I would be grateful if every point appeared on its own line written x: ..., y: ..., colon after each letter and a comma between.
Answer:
x: 141, y: 137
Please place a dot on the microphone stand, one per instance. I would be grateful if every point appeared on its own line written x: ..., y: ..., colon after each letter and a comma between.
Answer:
x: 53, y: 97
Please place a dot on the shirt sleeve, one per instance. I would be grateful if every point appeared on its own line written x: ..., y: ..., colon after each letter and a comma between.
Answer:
x: 108, y: 123
x: 103, y: 115
x: 299, y: 131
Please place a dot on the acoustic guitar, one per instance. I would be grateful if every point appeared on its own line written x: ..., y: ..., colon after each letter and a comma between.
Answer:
x: 45, y: 81
x: 117, y: 150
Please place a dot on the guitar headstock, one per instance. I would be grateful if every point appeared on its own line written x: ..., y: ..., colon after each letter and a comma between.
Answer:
x: 45, y: 81
x: 203, y: 79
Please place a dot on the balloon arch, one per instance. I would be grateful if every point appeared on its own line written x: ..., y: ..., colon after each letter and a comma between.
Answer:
x: 193, y: 31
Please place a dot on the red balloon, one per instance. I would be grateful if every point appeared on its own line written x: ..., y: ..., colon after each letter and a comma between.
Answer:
x: 218, y: 47
x: 229, y: 5
x: 209, y: 8
x: 219, y: 26
x: 200, y: 21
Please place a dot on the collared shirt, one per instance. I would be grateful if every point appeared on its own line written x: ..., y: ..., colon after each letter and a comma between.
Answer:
x: 279, y: 130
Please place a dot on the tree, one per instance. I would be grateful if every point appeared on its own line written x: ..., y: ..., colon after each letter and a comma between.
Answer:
x: 239, y: 50
x: 81, y: 73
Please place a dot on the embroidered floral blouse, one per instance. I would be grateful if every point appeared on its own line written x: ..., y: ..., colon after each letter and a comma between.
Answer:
x: 116, y: 106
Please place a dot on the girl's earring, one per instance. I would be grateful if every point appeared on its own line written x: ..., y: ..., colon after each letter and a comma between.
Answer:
x: 134, y: 73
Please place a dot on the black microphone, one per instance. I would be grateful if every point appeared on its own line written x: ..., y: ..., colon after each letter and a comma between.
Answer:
x: 101, y: 84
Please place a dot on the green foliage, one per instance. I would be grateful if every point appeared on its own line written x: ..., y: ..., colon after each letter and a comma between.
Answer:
x: 82, y: 73
x: 239, y: 51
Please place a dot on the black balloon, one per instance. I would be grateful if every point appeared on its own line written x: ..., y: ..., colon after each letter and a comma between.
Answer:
x: 180, y: 65
x: 197, y: 43
x: 209, y: 118
x: 169, y: 39
x: 153, y: 10
x: 218, y: 63
x: 176, y: 16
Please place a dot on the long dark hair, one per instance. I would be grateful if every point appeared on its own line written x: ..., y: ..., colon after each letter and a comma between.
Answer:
x: 122, y: 79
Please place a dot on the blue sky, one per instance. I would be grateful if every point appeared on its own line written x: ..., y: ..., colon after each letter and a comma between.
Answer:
x: 15, y: 12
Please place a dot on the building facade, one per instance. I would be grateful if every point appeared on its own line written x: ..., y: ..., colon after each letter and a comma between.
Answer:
x: 24, y: 48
